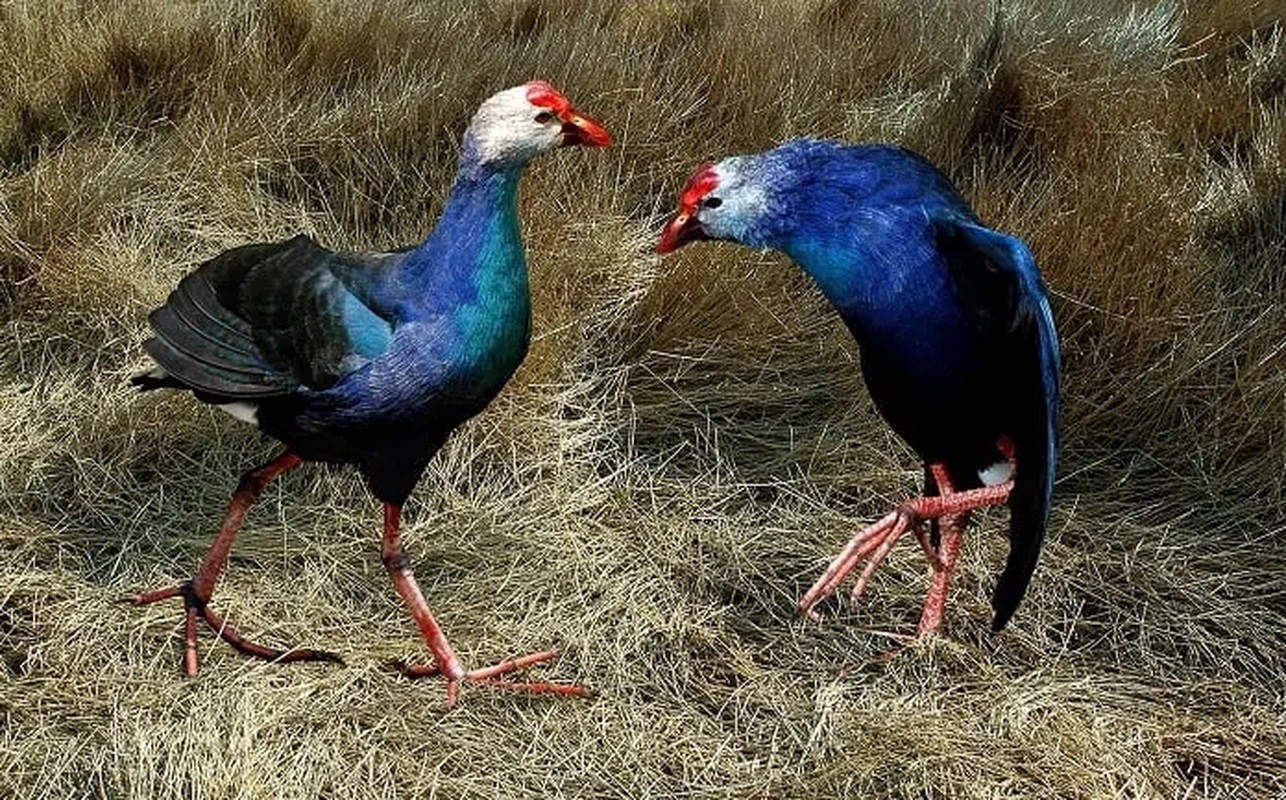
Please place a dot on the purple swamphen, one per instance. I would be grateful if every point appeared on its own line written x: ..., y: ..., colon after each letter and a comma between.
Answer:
x: 369, y: 359
x: 957, y: 341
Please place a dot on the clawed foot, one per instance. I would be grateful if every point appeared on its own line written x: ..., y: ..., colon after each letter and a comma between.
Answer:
x: 195, y: 605
x: 874, y: 542
x: 490, y: 676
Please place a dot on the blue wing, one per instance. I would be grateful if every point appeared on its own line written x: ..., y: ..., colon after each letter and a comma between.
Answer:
x: 263, y: 320
x: 1029, y: 347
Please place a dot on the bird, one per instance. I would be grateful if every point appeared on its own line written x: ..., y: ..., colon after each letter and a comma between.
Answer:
x: 369, y: 359
x: 955, y: 335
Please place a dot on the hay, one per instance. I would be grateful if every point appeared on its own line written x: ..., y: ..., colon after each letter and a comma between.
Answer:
x: 689, y: 440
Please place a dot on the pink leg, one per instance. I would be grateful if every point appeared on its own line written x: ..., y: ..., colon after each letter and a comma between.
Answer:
x: 445, y: 661
x: 952, y: 530
x: 876, y: 542
x: 935, y: 602
x: 196, y: 593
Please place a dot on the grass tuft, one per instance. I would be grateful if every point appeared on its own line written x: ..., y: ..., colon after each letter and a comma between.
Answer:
x: 689, y: 439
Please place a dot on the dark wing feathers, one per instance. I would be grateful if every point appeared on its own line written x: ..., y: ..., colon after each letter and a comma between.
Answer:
x: 209, y: 380
x: 262, y: 320
x: 199, y: 306
x: 201, y: 338
x: 199, y: 351
x: 1001, y: 282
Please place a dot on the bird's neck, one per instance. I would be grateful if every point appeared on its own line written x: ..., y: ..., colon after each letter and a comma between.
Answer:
x: 474, y: 257
x: 844, y: 267
x: 836, y: 273
x: 470, y: 276
x: 896, y: 298
x: 880, y: 285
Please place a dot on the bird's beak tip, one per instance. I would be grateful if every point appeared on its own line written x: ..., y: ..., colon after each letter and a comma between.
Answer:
x: 579, y: 129
x: 680, y: 230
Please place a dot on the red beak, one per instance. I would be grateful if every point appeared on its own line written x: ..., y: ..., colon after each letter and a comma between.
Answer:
x: 681, y: 229
x: 580, y: 129
x: 685, y: 227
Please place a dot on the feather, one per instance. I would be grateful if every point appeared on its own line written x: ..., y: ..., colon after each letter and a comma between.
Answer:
x: 1033, y: 367
x: 263, y: 320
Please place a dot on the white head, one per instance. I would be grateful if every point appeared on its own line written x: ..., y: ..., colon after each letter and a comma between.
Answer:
x: 513, y: 126
x: 728, y: 200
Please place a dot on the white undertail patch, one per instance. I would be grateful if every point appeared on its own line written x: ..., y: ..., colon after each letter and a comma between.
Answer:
x: 246, y: 412
x: 996, y: 474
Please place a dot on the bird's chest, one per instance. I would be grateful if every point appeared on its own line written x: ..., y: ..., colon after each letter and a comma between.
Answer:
x: 911, y: 320
x: 927, y: 349
x: 481, y: 319
x: 491, y: 342
x: 454, y: 356
x: 895, y: 295
x: 922, y: 357
x: 491, y: 331
x: 442, y: 371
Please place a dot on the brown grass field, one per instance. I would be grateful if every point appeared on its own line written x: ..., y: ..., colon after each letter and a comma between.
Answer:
x: 688, y: 442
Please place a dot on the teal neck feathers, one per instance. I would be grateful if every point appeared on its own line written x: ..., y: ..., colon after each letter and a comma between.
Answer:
x: 472, y: 274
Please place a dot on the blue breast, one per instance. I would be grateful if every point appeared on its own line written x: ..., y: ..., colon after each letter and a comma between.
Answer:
x: 462, y: 307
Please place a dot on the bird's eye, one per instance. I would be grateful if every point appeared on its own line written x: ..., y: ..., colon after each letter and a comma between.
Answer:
x: 712, y: 202
x: 544, y: 117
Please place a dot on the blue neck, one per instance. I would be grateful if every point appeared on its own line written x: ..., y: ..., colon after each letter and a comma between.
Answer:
x: 469, y: 280
x: 885, y: 286
x: 864, y: 288
x: 894, y: 294
x: 834, y: 271
x: 474, y: 255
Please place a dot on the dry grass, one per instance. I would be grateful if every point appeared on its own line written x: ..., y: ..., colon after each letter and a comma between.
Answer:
x: 689, y: 440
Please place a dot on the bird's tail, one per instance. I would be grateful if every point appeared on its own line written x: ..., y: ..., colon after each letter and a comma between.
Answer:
x: 1028, y: 517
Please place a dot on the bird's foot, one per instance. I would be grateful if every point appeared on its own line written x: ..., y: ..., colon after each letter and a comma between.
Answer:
x: 195, y: 606
x: 491, y: 676
x: 874, y: 543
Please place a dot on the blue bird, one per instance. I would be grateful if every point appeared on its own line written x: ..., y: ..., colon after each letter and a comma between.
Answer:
x: 369, y: 359
x: 957, y: 341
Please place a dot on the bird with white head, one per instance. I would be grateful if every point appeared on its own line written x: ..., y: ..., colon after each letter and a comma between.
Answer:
x: 370, y: 359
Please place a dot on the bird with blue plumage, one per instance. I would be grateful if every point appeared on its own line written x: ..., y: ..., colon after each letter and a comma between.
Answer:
x: 370, y: 359
x: 958, y: 346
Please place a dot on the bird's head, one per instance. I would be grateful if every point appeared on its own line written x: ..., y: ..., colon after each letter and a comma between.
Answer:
x: 514, y: 126
x: 733, y: 200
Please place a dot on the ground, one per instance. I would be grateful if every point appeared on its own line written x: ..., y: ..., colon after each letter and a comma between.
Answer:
x: 689, y: 440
